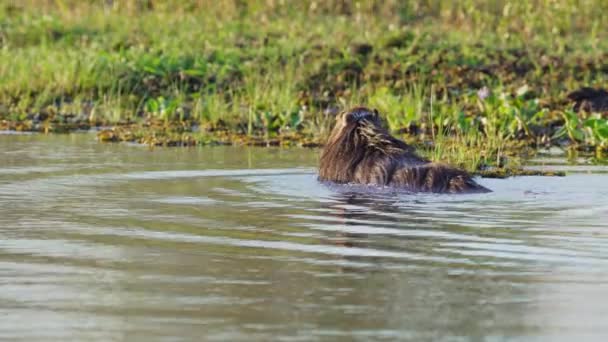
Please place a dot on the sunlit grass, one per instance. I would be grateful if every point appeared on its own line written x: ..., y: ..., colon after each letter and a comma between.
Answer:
x: 272, y: 68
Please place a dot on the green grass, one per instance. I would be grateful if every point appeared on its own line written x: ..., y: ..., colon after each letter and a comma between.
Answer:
x: 272, y: 69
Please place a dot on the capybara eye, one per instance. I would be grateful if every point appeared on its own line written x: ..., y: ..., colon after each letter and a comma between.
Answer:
x: 349, y: 117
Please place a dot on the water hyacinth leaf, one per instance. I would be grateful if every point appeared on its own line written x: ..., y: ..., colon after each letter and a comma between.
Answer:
x: 600, y: 129
x: 575, y: 133
x: 296, y: 119
x: 171, y: 106
x: 591, y: 122
x: 152, y: 106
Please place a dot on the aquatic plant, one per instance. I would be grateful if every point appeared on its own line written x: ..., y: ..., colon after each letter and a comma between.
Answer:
x: 592, y: 130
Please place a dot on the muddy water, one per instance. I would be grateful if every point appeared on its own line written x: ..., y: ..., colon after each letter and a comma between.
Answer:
x: 117, y: 242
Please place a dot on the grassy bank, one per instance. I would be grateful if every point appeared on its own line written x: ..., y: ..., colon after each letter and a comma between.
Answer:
x: 477, y: 82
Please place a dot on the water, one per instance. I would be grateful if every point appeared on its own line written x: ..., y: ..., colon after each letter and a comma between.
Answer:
x: 117, y: 242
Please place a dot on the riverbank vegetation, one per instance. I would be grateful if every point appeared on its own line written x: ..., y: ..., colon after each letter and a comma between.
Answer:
x: 476, y: 83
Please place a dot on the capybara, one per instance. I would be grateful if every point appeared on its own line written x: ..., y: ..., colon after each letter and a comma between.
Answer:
x: 360, y: 150
x: 589, y: 99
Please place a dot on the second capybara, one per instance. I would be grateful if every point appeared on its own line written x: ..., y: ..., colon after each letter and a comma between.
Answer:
x: 589, y: 99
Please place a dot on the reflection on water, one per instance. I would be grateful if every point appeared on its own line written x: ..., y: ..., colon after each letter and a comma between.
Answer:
x: 118, y: 242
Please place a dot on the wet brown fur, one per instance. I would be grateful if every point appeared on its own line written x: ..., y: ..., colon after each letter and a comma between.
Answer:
x: 589, y: 99
x: 360, y: 150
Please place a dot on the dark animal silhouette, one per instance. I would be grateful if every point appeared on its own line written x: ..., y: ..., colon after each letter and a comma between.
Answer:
x: 359, y: 150
x: 589, y: 99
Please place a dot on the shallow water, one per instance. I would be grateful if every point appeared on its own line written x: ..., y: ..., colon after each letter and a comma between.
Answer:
x: 117, y: 242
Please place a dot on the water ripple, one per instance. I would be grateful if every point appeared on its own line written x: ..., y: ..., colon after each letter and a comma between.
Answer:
x: 99, y: 241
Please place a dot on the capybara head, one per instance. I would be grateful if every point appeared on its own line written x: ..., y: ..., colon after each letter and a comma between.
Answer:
x: 359, y: 137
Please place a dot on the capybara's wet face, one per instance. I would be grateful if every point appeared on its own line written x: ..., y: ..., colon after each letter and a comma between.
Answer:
x: 360, y: 150
x: 348, y: 121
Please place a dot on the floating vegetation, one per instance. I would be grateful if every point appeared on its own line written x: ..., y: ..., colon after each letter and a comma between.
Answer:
x: 511, y: 172
x: 167, y: 136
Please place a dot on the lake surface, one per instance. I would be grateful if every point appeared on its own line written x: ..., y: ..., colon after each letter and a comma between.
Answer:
x: 119, y: 242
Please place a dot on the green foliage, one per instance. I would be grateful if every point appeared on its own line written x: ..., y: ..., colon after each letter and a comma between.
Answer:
x: 507, y: 116
x: 401, y: 111
x: 596, y: 129
x: 165, y: 109
x: 271, y: 68
x: 592, y: 130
